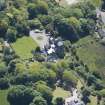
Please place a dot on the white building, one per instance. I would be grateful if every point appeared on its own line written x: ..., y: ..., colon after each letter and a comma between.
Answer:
x: 41, y: 38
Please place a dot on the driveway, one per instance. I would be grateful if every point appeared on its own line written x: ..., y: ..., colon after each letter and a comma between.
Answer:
x: 65, y: 2
x: 72, y: 1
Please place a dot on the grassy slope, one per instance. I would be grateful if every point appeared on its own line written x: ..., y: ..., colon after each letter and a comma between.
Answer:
x: 92, y: 53
x: 3, y: 97
x: 24, y: 46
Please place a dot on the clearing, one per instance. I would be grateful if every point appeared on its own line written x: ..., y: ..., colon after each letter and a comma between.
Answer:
x: 91, y: 53
x: 60, y: 92
x: 24, y: 46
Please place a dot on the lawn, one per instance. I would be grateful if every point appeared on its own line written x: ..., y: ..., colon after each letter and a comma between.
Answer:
x: 80, y: 84
x: 91, y: 53
x: 24, y: 46
x: 60, y: 92
x: 93, y: 100
x: 3, y: 97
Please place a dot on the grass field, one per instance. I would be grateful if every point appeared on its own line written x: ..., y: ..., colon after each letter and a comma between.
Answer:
x: 60, y: 92
x: 24, y: 46
x: 3, y: 97
x: 91, y: 53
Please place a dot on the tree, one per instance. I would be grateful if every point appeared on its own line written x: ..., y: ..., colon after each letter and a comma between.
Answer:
x: 84, y: 27
x: 65, y: 29
x: 59, y: 101
x: 51, y: 77
x: 87, y: 7
x: 11, y: 34
x: 102, y: 92
x: 2, y: 4
x: 75, y: 23
x: 38, y: 57
x: 69, y: 78
x: 77, y: 12
x: 17, y: 16
x: 45, y: 19
x: 21, y: 95
x: 22, y: 28
x: 8, y: 55
x: 39, y: 101
x: 20, y: 3
x: 3, y: 71
x: 12, y: 67
x: 101, y: 96
x: 39, y: 72
x: 21, y: 79
x: 35, y: 24
x: 6, y: 51
x: 86, y: 93
x: 3, y: 28
x: 45, y: 91
x: 40, y: 7
x: 103, y: 5
x: 91, y: 26
x: 91, y: 79
x: 32, y: 10
x: 71, y: 12
x: 67, y: 46
x: 4, y: 83
x: 20, y: 67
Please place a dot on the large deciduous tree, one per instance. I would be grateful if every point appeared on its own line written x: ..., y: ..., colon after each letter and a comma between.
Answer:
x: 70, y: 79
x: 21, y: 95
x: 11, y: 34
x: 45, y: 91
